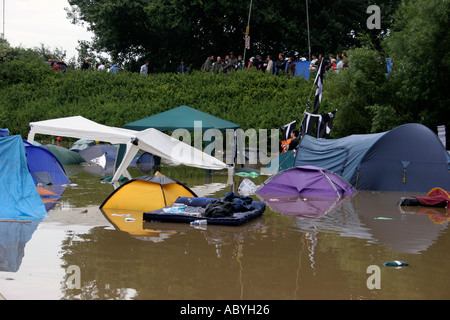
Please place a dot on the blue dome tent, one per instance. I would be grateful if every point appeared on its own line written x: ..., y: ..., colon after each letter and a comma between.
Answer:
x: 44, y: 167
x: 407, y: 158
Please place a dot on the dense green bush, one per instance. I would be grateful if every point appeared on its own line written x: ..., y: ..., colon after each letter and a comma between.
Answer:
x: 356, y: 90
x: 249, y: 98
x: 370, y: 100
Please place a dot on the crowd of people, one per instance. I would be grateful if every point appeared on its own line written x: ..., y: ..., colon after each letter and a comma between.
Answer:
x: 282, y: 65
x: 230, y: 63
x: 333, y: 64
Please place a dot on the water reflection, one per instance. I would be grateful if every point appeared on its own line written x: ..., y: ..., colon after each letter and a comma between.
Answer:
x: 14, y: 236
x: 273, y: 257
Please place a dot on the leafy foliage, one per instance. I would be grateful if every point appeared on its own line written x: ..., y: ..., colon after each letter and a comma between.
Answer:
x: 415, y: 91
x: 355, y: 88
x: 164, y: 32
x: 368, y: 99
x: 420, y: 48
x: 249, y: 98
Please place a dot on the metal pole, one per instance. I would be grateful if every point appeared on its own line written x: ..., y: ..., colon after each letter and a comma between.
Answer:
x: 3, y: 34
x: 248, y: 28
x: 307, y: 22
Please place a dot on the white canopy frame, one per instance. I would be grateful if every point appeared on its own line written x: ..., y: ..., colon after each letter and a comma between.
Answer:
x: 149, y: 140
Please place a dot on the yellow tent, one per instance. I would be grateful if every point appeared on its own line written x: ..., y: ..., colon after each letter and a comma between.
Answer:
x: 132, y: 222
x: 146, y: 193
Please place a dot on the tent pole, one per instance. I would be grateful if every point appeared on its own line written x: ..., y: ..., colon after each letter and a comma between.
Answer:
x: 248, y: 28
x: 307, y: 22
x: 30, y: 137
x: 125, y: 161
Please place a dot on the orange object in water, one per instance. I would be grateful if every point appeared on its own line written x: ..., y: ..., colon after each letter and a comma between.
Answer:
x: 45, y: 192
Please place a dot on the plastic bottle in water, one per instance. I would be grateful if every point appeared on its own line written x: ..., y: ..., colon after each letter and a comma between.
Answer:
x: 199, y: 222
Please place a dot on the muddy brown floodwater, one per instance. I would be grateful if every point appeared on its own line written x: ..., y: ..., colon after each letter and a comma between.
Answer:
x: 275, y: 257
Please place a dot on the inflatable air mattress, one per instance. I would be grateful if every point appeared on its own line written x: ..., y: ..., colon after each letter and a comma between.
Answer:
x: 188, y: 209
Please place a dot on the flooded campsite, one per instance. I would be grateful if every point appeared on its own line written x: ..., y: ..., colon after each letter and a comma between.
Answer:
x: 276, y: 256
x: 232, y: 161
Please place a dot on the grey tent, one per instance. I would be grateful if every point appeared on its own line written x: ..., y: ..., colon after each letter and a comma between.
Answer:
x: 407, y: 158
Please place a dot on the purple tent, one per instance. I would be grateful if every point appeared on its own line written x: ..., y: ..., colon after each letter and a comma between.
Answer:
x: 305, y: 191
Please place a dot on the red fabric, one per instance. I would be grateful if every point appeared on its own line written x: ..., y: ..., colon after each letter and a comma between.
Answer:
x: 436, y: 197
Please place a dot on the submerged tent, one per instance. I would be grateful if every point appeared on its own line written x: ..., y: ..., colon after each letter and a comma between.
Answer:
x: 407, y: 158
x: 306, y: 181
x: 82, y: 144
x: 436, y: 197
x: 44, y: 166
x: 19, y: 197
x: 50, y: 195
x: 149, y: 140
x: 301, y: 206
x: 65, y: 156
x: 280, y: 163
x: 305, y: 191
x: 95, y: 151
x: 4, y: 132
x: 146, y: 193
x: 182, y: 117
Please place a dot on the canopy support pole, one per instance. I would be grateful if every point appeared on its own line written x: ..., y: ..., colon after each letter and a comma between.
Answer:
x: 129, y: 154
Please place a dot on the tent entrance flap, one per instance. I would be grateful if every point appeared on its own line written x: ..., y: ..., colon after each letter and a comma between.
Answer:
x: 120, y: 155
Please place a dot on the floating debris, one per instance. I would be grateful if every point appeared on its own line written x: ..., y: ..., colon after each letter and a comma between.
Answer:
x: 396, y: 264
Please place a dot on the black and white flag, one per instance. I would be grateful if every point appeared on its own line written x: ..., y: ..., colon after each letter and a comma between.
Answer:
x: 287, y: 129
x: 319, y: 83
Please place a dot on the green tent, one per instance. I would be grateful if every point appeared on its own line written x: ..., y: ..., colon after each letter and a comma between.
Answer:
x: 65, y: 156
x: 182, y: 117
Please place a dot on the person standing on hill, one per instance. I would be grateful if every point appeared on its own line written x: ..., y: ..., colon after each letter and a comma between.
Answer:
x: 232, y: 62
x: 217, y: 66
x: 207, y: 66
x: 240, y: 63
x: 280, y: 65
x: 144, y: 69
x: 85, y: 65
x: 291, y: 67
x: 182, y: 68
x: 114, y: 68
x: 269, y: 64
x: 101, y: 66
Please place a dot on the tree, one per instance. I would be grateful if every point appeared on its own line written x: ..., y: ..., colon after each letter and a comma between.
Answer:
x: 369, y: 100
x: 419, y: 46
x: 357, y: 91
x: 165, y: 32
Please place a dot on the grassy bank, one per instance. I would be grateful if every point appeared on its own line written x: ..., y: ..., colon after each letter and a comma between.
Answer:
x: 251, y: 99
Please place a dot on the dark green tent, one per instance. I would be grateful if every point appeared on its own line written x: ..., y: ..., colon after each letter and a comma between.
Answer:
x: 182, y: 117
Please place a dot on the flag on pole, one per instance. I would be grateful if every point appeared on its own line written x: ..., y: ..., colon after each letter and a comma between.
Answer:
x: 319, y: 83
x: 287, y: 129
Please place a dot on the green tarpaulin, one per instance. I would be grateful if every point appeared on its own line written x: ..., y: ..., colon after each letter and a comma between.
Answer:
x: 182, y: 117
